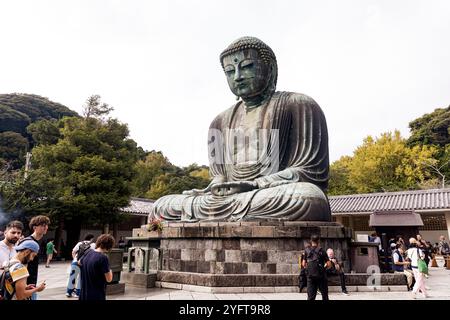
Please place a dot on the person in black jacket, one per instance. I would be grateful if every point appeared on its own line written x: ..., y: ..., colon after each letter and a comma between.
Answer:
x: 39, y: 226
x: 315, y: 261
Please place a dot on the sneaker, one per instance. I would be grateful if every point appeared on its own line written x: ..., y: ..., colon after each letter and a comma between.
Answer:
x: 68, y: 295
x: 345, y: 293
x: 47, y: 266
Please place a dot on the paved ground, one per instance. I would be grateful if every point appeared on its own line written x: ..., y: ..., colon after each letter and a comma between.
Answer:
x: 56, y: 278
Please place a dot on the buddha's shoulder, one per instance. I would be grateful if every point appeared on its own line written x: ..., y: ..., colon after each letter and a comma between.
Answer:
x: 295, y: 99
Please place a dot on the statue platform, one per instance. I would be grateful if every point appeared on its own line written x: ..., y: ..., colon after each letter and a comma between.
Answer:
x: 230, y: 254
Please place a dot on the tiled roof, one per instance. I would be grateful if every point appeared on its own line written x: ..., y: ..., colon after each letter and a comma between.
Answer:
x: 395, y: 218
x: 403, y: 200
x: 139, y: 207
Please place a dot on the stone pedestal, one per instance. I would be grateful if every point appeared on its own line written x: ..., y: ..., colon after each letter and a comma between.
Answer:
x: 142, y: 280
x: 115, y: 257
x: 229, y: 254
x: 115, y: 288
x: 364, y: 255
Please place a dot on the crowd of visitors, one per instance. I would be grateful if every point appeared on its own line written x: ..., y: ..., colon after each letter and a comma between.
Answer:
x: 90, y: 270
x: 411, y: 260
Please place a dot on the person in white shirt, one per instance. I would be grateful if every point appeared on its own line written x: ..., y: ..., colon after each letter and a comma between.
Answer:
x: 74, y: 283
x: 376, y: 239
x: 413, y: 254
x: 12, y: 233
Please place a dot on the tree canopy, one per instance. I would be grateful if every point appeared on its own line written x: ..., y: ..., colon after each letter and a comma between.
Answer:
x: 82, y: 172
x: 17, y: 112
x: 157, y: 177
x: 382, y: 164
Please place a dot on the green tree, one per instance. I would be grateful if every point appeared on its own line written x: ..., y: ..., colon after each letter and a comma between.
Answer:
x: 339, y: 177
x: 388, y: 164
x: 13, y: 147
x: 147, y: 170
x: 433, y: 129
x: 95, y: 108
x: 85, y: 177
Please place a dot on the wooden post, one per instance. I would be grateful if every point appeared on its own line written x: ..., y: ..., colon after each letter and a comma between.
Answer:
x: 447, y: 221
x: 351, y: 225
x: 116, y: 231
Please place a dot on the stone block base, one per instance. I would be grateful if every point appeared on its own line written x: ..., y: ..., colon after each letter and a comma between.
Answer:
x: 141, y: 280
x: 116, y: 288
x: 178, y: 280
x: 246, y: 248
x: 286, y: 289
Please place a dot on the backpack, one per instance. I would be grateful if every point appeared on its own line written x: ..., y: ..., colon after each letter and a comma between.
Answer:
x: 5, y: 277
x: 82, y: 249
x: 314, y: 263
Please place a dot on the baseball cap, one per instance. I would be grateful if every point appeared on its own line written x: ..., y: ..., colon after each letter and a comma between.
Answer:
x: 28, y: 244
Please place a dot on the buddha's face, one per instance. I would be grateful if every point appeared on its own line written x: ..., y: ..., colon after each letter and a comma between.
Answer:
x: 247, y: 75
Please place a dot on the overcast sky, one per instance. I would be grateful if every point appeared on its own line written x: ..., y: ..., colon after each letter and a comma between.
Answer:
x: 372, y: 66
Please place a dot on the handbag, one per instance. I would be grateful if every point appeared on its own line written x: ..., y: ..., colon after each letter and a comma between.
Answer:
x: 421, y: 264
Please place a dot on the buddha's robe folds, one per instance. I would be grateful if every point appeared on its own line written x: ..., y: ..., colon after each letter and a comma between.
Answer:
x: 288, y: 159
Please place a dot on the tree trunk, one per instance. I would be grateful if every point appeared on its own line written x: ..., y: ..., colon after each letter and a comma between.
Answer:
x: 116, y: 231
x: 58, y: 237
x: 73, y: 233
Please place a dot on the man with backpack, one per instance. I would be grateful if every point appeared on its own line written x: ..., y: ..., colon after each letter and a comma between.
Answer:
x: 78, y: 251
x: 315, y: 261
x: 13, y: 281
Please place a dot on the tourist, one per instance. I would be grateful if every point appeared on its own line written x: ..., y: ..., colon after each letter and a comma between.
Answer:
x: 401, y: 242
x: 50, y: 248
x: 425, y: 247
x: 95, y: 270
x: 376, y: 239
x: 336, y: 269
x: 39, y: 226
x: 13, y: 232
x: 399, y: 263
x: 74, y: 283
x: 121, y: 243
x: 443, y: 249
x: 413, y: 254
x: 315, y: 261
x: 16, y: 273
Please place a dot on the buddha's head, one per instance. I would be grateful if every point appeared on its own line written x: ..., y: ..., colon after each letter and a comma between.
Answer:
x: 251, y: 68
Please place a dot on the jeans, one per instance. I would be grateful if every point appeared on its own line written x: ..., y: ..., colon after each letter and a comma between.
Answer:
x: 74, y: 278
x: 317, y: 283
x: 34, y: 296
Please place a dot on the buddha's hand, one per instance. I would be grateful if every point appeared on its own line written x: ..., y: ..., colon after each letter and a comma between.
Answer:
x: 229, y: 188
x: 197, y: 192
